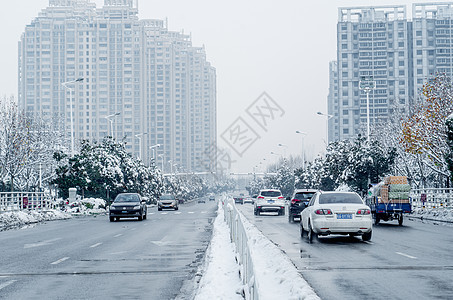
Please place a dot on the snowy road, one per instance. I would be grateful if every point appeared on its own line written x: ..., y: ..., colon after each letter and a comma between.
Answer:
x: 409, y: 262
x: 92, y: 258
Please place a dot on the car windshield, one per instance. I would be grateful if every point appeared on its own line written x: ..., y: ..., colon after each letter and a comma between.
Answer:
x: 303, y: 196
x: 339, y: 198
x: 127, y: 198
x: 167, y: 197
x: 271, y: 194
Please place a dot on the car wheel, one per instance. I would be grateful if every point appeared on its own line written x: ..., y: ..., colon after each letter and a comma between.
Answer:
x: 112, y: 219
x: 366, y: 236
x: 400, y: 220
x: 282, y: 212
x: 176, y: 208
x: 311, y: 233
x: 140, y: 217
x: 159, y: 209
x: 255, y: 212
x: 145, y: 216
x: 290, y: 218
x: 301, y: 230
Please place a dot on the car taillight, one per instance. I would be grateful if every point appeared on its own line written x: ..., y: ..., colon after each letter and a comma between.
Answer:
x: 281, y: 197
x: 260, y: 197
x: 323, y: 212
x: 365, y: 211
x: 294, y: 201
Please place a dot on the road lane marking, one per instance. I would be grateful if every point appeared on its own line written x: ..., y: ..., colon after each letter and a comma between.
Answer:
x: 164, y: 213
x: 191, y: 212
x: 204, y: 212
x: 95, y: 245
x: 59, y: 261
x: 177, y: 213
x: 39, y: 244
x: 369, y: 243
x: 150, y: 213
x: 406, y: 255
x: 5, y: 284
x: 118, y: 235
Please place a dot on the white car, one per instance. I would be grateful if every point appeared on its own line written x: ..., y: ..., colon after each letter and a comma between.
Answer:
x: 269, y: 200
x: 336, y: 213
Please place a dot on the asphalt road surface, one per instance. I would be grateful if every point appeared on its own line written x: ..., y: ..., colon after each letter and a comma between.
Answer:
x: 413, y: 261
x: 92, y: 258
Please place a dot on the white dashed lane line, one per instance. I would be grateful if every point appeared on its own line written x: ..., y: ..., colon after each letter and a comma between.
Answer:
x: 5, y: 284
x: 59, y: 261
x: 118, y: 235
x: 406, y: 255
x: 95, y: 245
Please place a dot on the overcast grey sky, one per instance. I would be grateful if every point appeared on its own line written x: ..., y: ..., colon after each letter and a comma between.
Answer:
x: 279, y: 47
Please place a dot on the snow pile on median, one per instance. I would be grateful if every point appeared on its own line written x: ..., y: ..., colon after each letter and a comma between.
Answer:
x: 220, y: 279
x: 20, y: 218
x: 275, y: 274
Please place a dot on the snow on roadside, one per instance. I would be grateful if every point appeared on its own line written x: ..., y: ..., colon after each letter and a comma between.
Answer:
x: 275, y: 274
x: 12, y: 219
x: 220, y: 279
x: 434, y: 214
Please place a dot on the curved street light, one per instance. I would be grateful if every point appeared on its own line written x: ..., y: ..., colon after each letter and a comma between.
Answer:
x: 327, y: 124
x: 71, y: 94
x: 303, y: 150
x: 110, y: 119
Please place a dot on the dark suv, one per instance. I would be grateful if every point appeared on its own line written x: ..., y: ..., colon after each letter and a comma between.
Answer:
x: 128, y: 205
x: 298, y: 202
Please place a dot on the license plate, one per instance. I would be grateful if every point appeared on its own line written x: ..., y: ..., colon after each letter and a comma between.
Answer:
x: 270, y: 201
x: 124, y: 212
x: 344, y: 216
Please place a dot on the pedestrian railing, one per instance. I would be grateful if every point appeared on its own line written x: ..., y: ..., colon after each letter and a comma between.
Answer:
x: 238, y: 236
x: 428, y: 198
x: 16, y: 201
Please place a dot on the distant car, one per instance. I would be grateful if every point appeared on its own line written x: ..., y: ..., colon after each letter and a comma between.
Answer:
x: 239, y: 199
x: 167, y: 201
x: 201, y: 200
x: 128, y: 205
x: 248, y: 200
x: 298, y: 201
x: 269, y: 200
x: 336, y: 213
x: 211, y: 197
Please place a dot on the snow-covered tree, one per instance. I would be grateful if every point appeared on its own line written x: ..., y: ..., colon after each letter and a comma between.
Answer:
x: 106, y: 169
x: 15, y: 135
x: 425, y: 130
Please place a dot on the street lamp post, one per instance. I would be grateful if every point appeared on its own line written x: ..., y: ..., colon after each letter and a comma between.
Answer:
x: 110, y: 119
x: 303, y: 150
x: 367, y: 84
x: 71, y: 95
x: 327, y: 125
x: 284, y: 149
x: 139, y: 136
x: 153, y: 150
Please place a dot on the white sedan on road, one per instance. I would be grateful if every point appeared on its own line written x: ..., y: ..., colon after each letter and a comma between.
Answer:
x: 336, y: 213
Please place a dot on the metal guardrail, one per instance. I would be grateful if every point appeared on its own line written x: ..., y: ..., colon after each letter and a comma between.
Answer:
x: 16, y: 201
x: 238, y: 236
x: 429, y: 198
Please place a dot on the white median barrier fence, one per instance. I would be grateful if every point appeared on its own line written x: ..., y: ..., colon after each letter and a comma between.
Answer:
x: 239, y: 238
x: 267, y: 273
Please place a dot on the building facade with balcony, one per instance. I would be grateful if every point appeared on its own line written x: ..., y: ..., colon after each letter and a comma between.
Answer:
x: 141, y: 83
x: 381, y: 44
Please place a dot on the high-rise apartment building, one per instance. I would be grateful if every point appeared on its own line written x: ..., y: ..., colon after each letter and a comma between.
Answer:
x: 141, y: 82
x: 380, y: 45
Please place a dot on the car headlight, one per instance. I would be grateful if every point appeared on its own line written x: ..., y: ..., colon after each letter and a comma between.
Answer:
x: 112, y: 207
x: 137, y: 207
